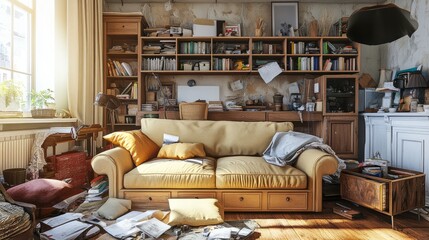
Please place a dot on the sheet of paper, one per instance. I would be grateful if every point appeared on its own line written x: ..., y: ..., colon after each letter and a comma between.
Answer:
x: 138, y: 216
x: 269, y: 71
x: 293, y: 88
x: 220, y: 233
x: 237, y: 85
x: 122, y: 229
x: 154, y: 227
x: 61, y: 219
x: 70, y: 230
x: 168, y: 138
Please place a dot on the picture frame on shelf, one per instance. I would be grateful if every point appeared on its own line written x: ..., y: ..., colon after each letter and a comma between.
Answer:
x: 233, y: 31
x: 168, y: 89
x: 284, y: 17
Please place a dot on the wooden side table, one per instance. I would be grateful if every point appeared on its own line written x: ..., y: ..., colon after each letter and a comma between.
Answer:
x: 390, y: 196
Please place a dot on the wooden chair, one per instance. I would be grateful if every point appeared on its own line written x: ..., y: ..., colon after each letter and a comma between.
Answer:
x: 193, y: 111
x: 24, y: 230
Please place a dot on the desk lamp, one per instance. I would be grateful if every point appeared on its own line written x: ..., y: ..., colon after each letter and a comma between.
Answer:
x: 380, y: 24
x: 111, y: 103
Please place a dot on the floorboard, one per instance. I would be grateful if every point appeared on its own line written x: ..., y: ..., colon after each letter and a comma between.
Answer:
x: 329, y: 226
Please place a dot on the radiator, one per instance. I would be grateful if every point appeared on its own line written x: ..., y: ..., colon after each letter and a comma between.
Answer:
x: 15, y: 149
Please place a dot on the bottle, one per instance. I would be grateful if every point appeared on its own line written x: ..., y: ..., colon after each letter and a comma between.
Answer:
x: 413, y: 105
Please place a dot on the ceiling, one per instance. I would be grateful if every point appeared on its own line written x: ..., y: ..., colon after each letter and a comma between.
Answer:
x: 239, y: 1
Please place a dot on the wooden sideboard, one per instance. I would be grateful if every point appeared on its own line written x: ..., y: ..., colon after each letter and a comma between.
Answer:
x: 311, y: 121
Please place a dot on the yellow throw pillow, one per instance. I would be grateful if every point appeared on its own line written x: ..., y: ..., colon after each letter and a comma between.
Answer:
x: 194, y: 212
x: 182, y: 151
x: 141, y: 147
x: 114, y: 208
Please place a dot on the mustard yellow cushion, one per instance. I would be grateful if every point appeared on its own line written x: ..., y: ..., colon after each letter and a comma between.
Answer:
x: 182, y: 151
x: 141, y: 147
x: 194, y: 212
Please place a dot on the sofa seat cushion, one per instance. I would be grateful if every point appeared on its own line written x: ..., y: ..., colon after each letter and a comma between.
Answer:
x: 251, y: 172
x: 169, y: 173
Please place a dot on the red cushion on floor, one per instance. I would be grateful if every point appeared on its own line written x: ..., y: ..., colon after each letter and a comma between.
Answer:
x: 43, y: 192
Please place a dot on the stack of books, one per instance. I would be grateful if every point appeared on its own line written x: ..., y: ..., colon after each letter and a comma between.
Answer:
x: 215, y: 106
x: 148, y: 107
x: 373, y: 171
x: 99, y: 188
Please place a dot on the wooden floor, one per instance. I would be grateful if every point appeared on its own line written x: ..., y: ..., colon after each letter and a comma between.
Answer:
x: 327, y: 225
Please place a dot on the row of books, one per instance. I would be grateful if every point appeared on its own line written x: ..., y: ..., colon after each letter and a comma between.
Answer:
x: 159, y: 64
x: 215, y: 106
x: 195, y: 47
x: 116, y: 68
x: 304, y: 48
x: 330, y: 48
x: 225, y: 64
x: 340, y: 64
x: 304, y: 63
x: 163, y: 47
x: 260, y: 47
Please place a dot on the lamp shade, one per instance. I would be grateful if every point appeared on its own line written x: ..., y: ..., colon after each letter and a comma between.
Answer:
x: 380, y: 24
x: 416, y: 80
x: 108, y: 101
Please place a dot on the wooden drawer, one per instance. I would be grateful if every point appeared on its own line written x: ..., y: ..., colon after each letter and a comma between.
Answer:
x: 287, y: 201
x: 242, y: 201
x: 366, y: 192
x: 196, y: 195
x: 148, y: 200
x: 122, y: 28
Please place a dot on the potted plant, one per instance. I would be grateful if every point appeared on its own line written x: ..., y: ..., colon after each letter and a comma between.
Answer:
x: 10, y: 99
x: 42, y: 103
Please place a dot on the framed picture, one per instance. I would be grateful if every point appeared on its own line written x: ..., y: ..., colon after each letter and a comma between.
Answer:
x: 233, y: 31
x: 168, y: 89
x: 284, y: 18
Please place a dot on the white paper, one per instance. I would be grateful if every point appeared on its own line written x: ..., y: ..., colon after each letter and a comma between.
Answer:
x: 245, y: 232
x: 293, y: 88
x: 220, y: 233
x: 192, y: 94
x: 122, y: 229
x: 138, y: 216
x: 69, y: 230
x: 168, y: 138
x: 237, y: 85
x: 61, y: 219
x: 269, y: 71
x: 154, y: 227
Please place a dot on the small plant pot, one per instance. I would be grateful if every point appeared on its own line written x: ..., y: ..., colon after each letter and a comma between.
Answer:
x: 43, y: 113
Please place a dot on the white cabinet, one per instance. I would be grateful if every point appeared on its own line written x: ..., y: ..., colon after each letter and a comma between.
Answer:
x: 401, y: 138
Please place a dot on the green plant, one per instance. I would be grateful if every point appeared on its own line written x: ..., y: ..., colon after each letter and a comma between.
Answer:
x: 41, y: 99
x: 11, y: 91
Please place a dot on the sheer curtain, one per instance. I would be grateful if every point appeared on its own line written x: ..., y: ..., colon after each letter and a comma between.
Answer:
x: 84, y: 50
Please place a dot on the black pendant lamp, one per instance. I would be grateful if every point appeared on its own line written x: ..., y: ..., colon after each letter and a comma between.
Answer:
x: 380, y: 24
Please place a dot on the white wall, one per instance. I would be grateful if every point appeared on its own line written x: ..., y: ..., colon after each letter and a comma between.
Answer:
x: 246, y: 14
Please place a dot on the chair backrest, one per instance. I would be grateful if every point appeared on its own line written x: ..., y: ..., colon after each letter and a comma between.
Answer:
x: 193, y: 111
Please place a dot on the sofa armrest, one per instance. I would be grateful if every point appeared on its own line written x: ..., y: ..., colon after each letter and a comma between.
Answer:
x: 114, y: 163
x: 316, y: 163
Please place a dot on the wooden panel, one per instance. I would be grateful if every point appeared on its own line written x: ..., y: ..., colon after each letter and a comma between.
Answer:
x: 196, y: 195
x: 408, y: 194
x: 279, y: 201
x: 366, y: 192
x: 237, y: 116
x: 291, y: 116
x: 342, y: 135
x: 122, y: 28
x: 148, y: 200
x: 242, y: 201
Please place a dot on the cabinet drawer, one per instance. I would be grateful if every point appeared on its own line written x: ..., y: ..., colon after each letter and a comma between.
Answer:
x: 366, y: 192
x: 238, y: 201
x: 148, y: 200
x: 287, y: 201
x: 196, y: 195
x: 122, y: 28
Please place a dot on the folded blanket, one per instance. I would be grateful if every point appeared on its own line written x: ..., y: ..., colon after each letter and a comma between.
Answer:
x: 285, y: 147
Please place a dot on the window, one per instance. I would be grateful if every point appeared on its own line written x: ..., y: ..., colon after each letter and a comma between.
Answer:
x: 16, y: 52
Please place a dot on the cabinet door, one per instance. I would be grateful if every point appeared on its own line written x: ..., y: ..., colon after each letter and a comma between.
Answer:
x: 342, y: 135
x: 377, y: 137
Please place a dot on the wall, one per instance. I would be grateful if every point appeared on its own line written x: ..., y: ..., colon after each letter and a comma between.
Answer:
x: 246, y: 14
x: 409, y: 52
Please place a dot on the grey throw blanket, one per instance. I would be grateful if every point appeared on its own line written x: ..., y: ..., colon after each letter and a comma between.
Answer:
x: 285, y: 147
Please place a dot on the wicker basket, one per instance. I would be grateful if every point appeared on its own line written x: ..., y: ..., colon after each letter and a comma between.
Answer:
x: 193, y: 111
x: 43, y: 113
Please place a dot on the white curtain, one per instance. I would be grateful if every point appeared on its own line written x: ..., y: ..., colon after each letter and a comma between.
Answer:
x: 85, y: 55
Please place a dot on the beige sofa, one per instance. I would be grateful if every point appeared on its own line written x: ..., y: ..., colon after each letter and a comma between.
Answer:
x: 239, y: 177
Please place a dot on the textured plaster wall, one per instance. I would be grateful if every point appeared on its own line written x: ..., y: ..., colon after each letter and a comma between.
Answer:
x: 246, y: 15
x: 409, y: 52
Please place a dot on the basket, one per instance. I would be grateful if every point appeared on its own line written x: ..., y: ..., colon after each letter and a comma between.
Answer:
x: 193, y: 111
x: 43, y: 113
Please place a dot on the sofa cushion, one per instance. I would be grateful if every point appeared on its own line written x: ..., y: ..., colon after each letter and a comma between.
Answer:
x: 220, y: 138
x: 141, y: 147
x: 254, y: 173
x: 182, y: 151
x: 169, y: 173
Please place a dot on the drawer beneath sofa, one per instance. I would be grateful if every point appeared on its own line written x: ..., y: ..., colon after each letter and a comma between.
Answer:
x: 148, y: 200
x: 290, y: 201
x: 242, y: 201
x: 186, y: 194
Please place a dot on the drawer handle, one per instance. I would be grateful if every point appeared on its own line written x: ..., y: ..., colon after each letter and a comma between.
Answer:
x: 150, y: 198
x: 197, y: 197
x: 123, y: 26
x: 241, y: 199
x: 287, y: 199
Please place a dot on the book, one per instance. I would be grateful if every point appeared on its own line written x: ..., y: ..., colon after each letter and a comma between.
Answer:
x: 127, y: 68
x: 153, y: 227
